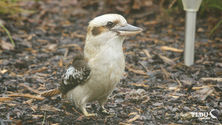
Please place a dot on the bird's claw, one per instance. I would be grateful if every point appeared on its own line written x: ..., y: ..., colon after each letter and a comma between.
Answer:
x: 90, y: 115
x: 104, y: 111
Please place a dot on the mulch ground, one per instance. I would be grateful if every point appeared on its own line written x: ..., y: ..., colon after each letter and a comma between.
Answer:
x: 157, y: 89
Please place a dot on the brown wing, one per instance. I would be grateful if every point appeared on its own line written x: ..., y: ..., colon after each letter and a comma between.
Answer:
x: 78, y: 73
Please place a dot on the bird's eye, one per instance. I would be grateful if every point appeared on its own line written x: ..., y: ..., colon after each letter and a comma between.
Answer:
x: 110, y: 24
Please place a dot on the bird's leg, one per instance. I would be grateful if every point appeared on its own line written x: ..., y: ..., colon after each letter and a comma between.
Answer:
x: 83, y: 109
x: 102, y: 108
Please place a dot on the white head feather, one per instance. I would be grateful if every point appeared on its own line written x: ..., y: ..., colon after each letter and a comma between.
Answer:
x: 103, y: 19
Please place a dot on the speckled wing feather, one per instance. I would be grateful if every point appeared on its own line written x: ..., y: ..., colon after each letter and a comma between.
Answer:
x: 77, y: 73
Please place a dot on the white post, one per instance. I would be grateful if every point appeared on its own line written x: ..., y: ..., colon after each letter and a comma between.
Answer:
x: 190, y: 38
x: 191, y: 7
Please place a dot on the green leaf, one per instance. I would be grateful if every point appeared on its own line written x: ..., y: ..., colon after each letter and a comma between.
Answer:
x: 8, y: 33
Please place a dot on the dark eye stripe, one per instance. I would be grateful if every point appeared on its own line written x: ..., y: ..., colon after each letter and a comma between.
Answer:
x: 97, y: 30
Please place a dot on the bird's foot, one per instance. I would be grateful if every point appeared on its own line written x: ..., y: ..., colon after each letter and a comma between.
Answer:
x: 90, y: 115
x: 104, y: 111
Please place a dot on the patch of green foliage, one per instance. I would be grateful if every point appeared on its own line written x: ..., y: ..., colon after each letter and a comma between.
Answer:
x: 213, y: 7
x: 8, y: 33
x: 208, y: 5
x: 10, y: 7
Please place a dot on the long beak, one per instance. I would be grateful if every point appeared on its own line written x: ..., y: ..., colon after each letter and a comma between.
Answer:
x: 128, y: 30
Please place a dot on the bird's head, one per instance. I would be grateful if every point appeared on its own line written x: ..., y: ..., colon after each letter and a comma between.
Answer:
x: 108, y: 26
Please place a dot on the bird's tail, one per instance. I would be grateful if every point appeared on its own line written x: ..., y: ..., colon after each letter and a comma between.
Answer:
x: 50, y: 93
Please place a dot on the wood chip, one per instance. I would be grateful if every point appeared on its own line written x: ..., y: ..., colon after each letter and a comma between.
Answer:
x: 146, y: 52
x: 205, y: 92
x: 212, y: 79
x: 34, y: 108
x: 140, y: 72
x: 29, y: 88
x: 201, y: 87
x: 133, y: 113
x: 26, y: 96
x: 150, y: 22
x: 11, y: 104
x: 4, y: 99
x: 139, y: 84
x: 165, y: 73
x: 28, y: 101
x: 72, y: 45
x: 66, y: 52
x: 167, y: 60
x: 167, y: 48
x: 6, y: 45
x: 76, y: 35
x: 37, y: 116
x: 39, y: 70
x: 49, y: 108
x: 175, y: 88
x: 134, y: 118
x: 61, y: 62
x: 3, y: 71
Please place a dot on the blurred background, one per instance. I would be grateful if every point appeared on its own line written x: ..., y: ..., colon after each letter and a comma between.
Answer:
x: 162, y: 11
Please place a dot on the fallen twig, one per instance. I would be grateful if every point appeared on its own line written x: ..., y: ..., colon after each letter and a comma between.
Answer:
x: 141, y: 72
x: 202, y: 87
x: 29, y: 88
x: 3, y: 99
x: 39, y: 70
x: 146, y: 52
x: 167, y: 60
x: 133, y: 119
x: 139, y: 84
x: 72, y: 45
x: 212, y: 79
x: 27, y: 96
x: 167, y: 48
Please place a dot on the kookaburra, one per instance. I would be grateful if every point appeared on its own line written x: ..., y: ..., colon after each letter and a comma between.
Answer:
x: 94, y: 75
